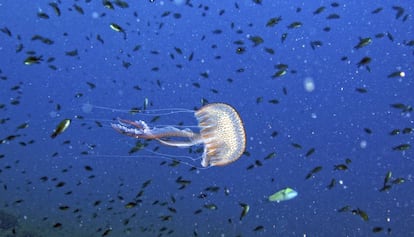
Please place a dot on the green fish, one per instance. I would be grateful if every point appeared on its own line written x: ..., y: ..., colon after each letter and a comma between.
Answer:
x: 283, y: 195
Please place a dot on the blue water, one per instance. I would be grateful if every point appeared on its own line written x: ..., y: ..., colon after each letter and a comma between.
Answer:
x: 334, y: 119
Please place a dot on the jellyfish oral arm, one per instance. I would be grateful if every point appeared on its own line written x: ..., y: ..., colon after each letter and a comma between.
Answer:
x: 139, y: 129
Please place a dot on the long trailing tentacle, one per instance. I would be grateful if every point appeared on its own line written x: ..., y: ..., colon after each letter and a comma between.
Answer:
x: 136, y: 129
x: 139, y: 129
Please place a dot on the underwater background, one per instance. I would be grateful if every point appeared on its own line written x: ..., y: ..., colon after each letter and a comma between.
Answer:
x: 324, y: 89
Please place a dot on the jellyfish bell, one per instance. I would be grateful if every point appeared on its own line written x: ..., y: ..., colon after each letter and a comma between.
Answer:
x: 221, y: 132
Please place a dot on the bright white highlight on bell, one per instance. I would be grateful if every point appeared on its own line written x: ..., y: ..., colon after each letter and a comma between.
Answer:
x: 309, y: 84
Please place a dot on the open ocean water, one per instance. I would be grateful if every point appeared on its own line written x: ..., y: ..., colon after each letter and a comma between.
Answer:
x: 324, y: 89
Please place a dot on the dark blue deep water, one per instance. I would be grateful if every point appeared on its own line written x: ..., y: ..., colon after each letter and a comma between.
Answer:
x: 325, y: 90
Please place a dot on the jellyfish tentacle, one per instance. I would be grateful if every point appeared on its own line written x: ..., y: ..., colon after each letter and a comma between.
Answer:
x: 136, y: 129
x: 193, y: 140
x: 139, y: 129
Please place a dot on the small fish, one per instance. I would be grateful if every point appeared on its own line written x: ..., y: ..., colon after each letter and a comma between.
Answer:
x: 182, y: 181
x: 313, y: 171
x: 398, y: 106
x: 295, y: 25
x: 121, y: 4
x: 360, y: 213
x: 172, y: 209
x: 57, y: 225
x: 368, y: 130
x: 43, y: 15
x: 402, y: 147
x: 310, y: 152
x: 364, y: 62
x: 409, y: 43
x: 270, y: 156
x: 6, y: 31
x: 106, y: 232
x: 240, y: 50
x: 283, y: 37
x: 361, y: 90
x: 258, y: 228
x: 43, y: 40
x: 395, y: 132
x: 340, y: 167
x: 55, y: 8
x: 63, y: 208
x: 395, y: 74
x: 273, y: 21
x: 399, y: 11
x: 256, y: 40
x: 213, y: 189
x: 91, y: 85
x: 23, y: 125
x: 331, y: 185
x: 377, y: 229
x: 269, y: 50
x: 72, y: 53
x: 146, y: 183
x: 279, y: 73
x: 316, y: 44
x: 245, y: 210
x: 250, y: 167
x: 387, y: 177
x: 283, y: 195
x: 178, y: 50
x: 385, y: 188
x: 211, y: 206
x: 61, y: 127
x: 333, y: 16
x: 281, y: 66
x: 118, y: 28
x: 363, y: 42
x: 344, y: 208
x: 390, y: 36
x: 319, y: 10
x: 398, y: 181
x: 130, y: 205
x: 78, y: 9
x: 273, y: 101
x: 33, y: 60
x: 407, y: 130
x: 377, y: 10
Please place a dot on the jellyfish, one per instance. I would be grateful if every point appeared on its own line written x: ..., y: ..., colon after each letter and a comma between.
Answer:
x: 221, y: 133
